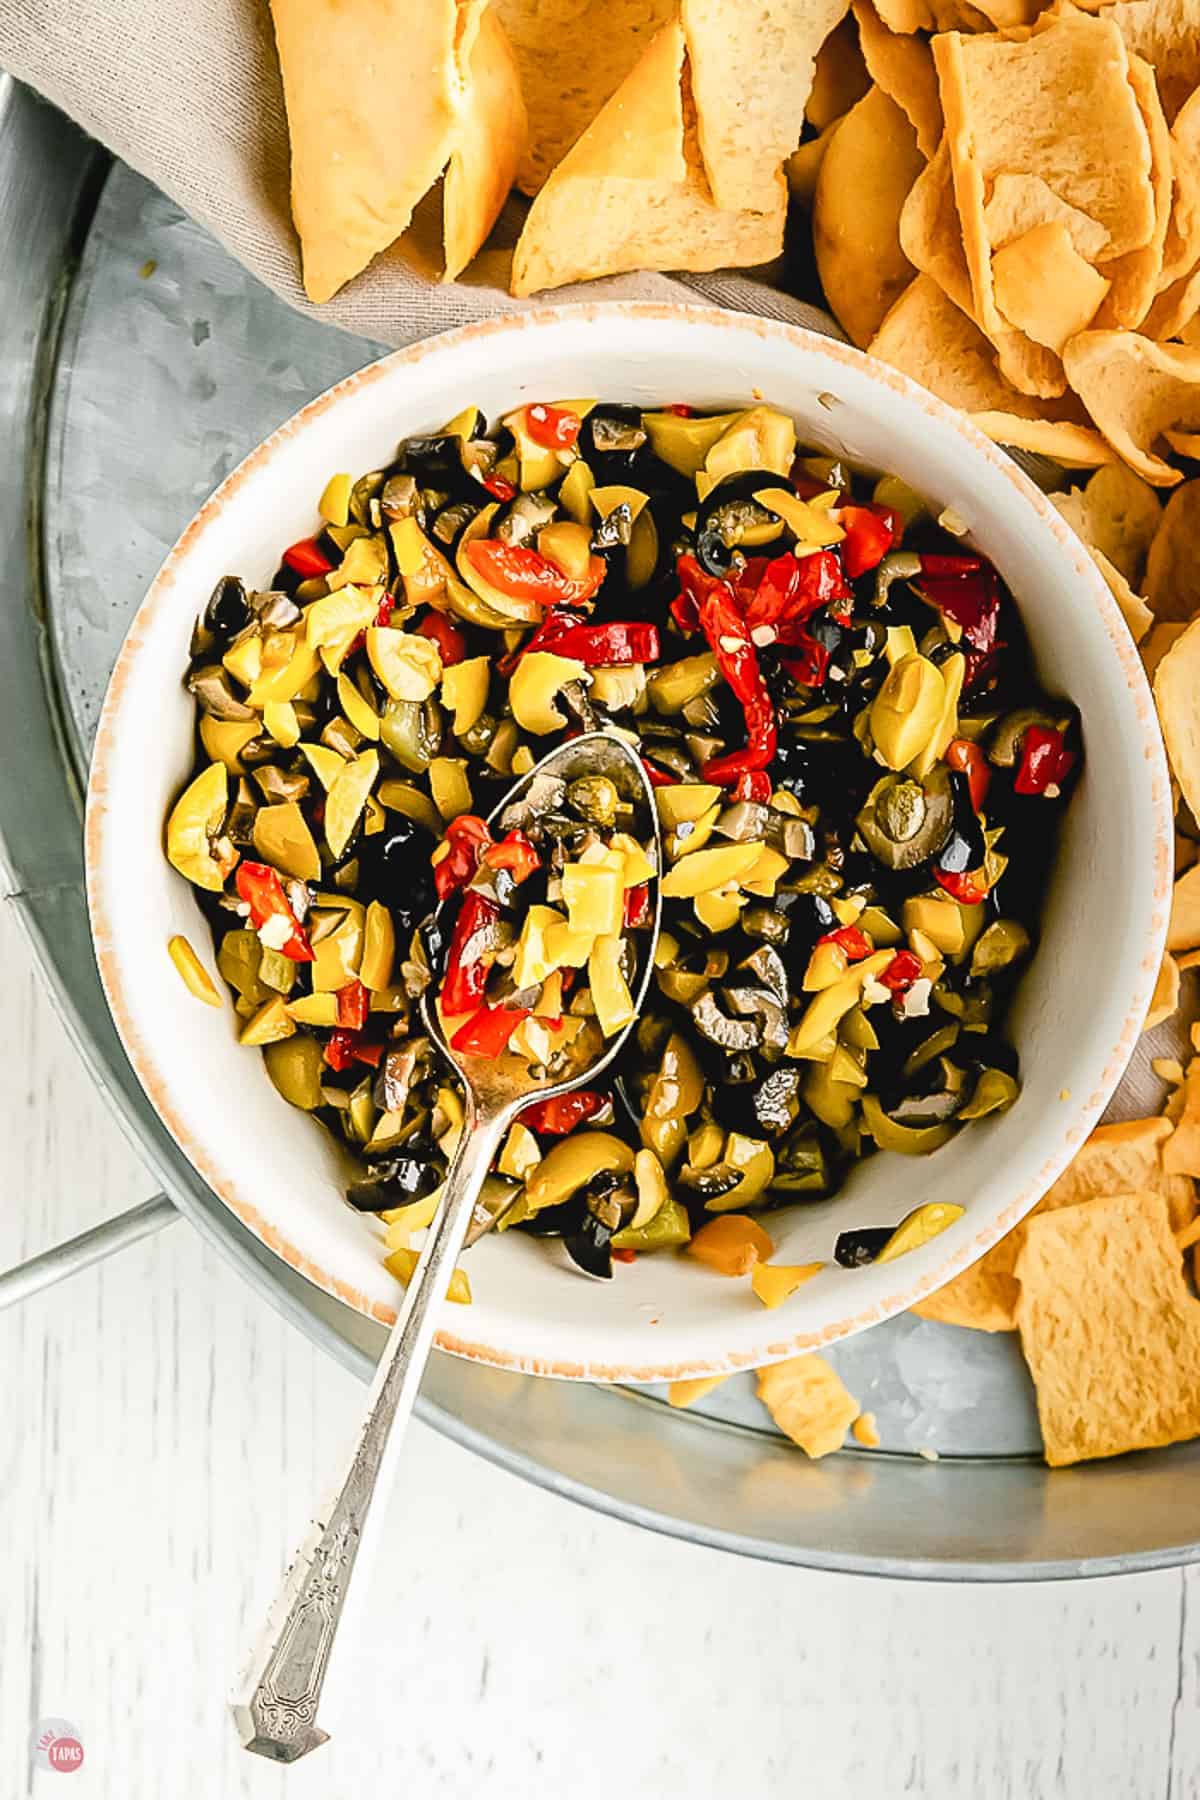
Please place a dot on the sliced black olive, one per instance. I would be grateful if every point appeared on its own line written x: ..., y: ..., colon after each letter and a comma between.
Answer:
x: 437, y: 463
x: 792, y: 837
x: 615, y: 530
x: 395, y: 865
x: 905, y: 822
x: 391, y: 1183
x: 711, y: 1183
x: 449, y: 524
x: 857, y: 1249
x: 964, y: 848
x: 398, y: 497
x: 556, y: 1221
x: 766, y: 965
x: 211, y: 687
x: 613, y: 442
x: 727, y: 513
x: 768, y: 1108
x: 228, y: 609
x: 588, y: 1245
x: 720, y: 1029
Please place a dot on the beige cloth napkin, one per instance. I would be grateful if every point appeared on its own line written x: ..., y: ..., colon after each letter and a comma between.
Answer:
x: 187, y: 92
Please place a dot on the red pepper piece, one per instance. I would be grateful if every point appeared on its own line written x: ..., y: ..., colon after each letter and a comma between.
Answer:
x: 659, y: 777
x: 451, y: 642
x: 728, y: 635
x: 525, y: 574
x: 623, y: 1256
x: 968, y: 888
x: 850, y: 939
x: 1045, y: 761
x: 870, y: 534
x: 382, y: 617
x: 949, y: 567
x: 466, y: 975
x: 353, y: 1005
x: 553, y: 427
x: 261, y: 889
x: 970, y: 598
x: 604, y: 646
x: 307, y: 558
x: 969, y: 760
x: 684, y: 611
x: 499, y: 488
x: 467, y: 837
x: 515, y: 853
x: 637, y: 906
x: 487, y: 1032
x: 754, y: 785
x: 901, y: 972
x: 681, y: 410
x: 346, y: 1047
x: 554, y: 1118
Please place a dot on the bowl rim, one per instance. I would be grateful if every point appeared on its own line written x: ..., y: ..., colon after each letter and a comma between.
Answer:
x: 1078, y: 1116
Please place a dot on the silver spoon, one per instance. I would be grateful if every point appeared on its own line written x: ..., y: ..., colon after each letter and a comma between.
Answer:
x: 276, y: 1708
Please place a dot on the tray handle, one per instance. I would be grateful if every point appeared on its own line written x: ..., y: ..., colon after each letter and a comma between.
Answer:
x: 56, y: 1264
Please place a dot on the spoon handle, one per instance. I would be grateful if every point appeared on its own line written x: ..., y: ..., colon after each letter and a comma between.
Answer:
x: 276, y: 1711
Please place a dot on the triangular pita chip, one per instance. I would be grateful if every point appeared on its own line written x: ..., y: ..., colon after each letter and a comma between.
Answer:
x: 1167, y: 34
x: 903, y: 67
x: 867, y: 172
x: 1181, y: 251
x: 1109, y: 1329
x: 488, y: 146
x: 840, y: 77
x: 1044, y: 287
x: 752, y: 68
x: 1134, y: 278
x: 808, y: 1401
x: 1057, y: 104
x: 1019, y: 203
x: 1134, y: 611
x: 1175, y: 309
x: 1177, y: 696
x: 1183, y: 933
x: 373, y: 95
x: 573, y: 55
x: 1115, y: 1157
x: 803, y: 166
x: 1173, y: 564
x: 1154, y: 647
x: 1118, y: 514
x: 1135, y: 389
x: 599, y: 213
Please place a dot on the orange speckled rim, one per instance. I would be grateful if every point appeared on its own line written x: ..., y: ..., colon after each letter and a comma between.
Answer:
x: 145, y: 1057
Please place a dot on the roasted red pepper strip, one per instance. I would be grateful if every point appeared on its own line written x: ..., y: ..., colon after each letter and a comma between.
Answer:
x: 451, y: 642
x: 968, y: 888
x: 850, y: 939
x: 554, y: 1118
x: 754, y: 785
x: 515, y: 853
x: 942, y: 566
x: 620, y: 641
x: 870, y: 534
x: 307, y: 558
x: 969, y: 597
x: 969, y: 760
x: 525, y: 574
x: 729, y: 638
x: 553, y: 427
x: 901, y: 972
x: 346, y: 1047
x: 637, y: 906
x: 659, y: 777
x: 353, y: 1005
x: 261, y: 889
x: 685, y: 613
x: 466, y: 975
x: 466, y: 837
x: 1045, y: 761
x: 487, y: 1032
x: 499, y: 488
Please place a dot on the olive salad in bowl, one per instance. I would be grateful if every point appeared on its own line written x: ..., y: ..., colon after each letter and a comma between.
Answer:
x: 858, y: 783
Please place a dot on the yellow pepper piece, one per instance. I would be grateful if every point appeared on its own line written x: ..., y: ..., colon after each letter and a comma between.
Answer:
x: 415, y: 1215
x: 314, y: 1009
x: 610, y: 991
x: 534, y: 960
x: 691, y: 835
x: 707, y: 871
x: 685, y: 801
x: 637, y: 865
x: 732, y: 1245
x: 358, y: 710
x: 827, y: 964
x: 776, y: 1282
x: 940, y: 920
x: 465, y: 691
x: 325, y: 764
x: 282, y: 838
x: 379, y: 947
x: 402, y: 1264
x: 520, y: 1155
x: 279, y: 717
x: 285, y: 682
x: 565, y: 948
x: 346, y: 799
x: 718, y: 912
x: 194, y: 975
x: 766, y: 872
x: 595, y: 899
x: 334, y: 504
x: 196, y: 818
x: 921, y: 1225
x: 338, y: 955
x: 572, y: 1163
x: 900, y: 643
x: 225, y: 739
x: 408, y: 665
x: 822, y: 1014
x: 269, y: 1025
x: 907, y: 709
x: 952, y: 671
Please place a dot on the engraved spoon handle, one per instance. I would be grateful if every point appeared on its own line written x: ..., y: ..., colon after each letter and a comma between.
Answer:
x: 276, y: 1709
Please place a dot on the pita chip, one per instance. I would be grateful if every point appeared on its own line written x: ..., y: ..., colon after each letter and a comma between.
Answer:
x: 903, y: 67
x: 803, y: 166
x: 373, y: 95
x: 752, y: 64
x: 1167, y: 34
x: 1183, y: 933
x: 809, y: 1402
x: 840, y: 77
x: 1135, y: 390
x: 866, y: 174
x: 572, y: 56
x: 488, y: 146
x: 1134, y: 278
x: 632, y: 194
x: 1177, y: 696
x: 1118, y: 514
x: 1181, y: 251
x: 1109, y: 1329
x: 1044, y: 287
x: 1019, y: 203
x: 1173, y: 565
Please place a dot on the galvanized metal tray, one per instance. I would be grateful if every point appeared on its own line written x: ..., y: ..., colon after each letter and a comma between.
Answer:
x: 138, y: 364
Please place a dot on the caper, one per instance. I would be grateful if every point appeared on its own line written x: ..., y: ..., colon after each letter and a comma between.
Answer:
x: 594, y: 798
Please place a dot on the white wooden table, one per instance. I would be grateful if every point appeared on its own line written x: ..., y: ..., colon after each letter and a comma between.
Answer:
x: 165, y: 1433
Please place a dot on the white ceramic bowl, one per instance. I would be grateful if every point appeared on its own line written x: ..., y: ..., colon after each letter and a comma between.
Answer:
x: 1080, y: 1006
